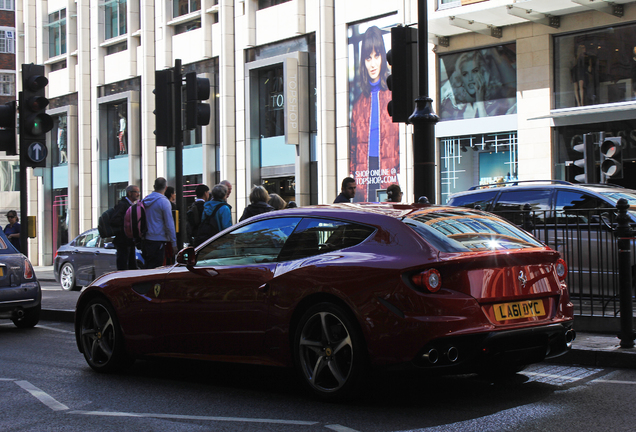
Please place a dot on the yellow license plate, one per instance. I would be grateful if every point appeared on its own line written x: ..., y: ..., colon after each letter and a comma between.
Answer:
x: 518, y: 310
x: 1, y: 271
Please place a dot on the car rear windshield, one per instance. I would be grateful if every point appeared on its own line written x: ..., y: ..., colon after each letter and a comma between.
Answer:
x: 454, y: 231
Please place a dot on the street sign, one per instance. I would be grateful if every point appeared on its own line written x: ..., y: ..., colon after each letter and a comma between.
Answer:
x: 37, y: 152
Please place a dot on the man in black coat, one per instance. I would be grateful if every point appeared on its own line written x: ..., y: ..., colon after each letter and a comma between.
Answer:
x: 195, y: 212
x: 126, y: 256
x: 348, y: 191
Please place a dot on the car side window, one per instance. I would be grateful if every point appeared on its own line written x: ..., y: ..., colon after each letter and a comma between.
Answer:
x: 93, y: 242
x: 87, y: 240
x: 483, y: 199
x: 316, y: 236
x: 258, y: 242
x: 510, y: 205
x: 573, y: 206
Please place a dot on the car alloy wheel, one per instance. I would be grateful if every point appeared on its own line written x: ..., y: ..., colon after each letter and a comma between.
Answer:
x: 329, y: 352
x: 67, y: 277
x: 101, y: 337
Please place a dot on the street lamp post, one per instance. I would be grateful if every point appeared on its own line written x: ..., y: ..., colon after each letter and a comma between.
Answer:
x: 423, y: 118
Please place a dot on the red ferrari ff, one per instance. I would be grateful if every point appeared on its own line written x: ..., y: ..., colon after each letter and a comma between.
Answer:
x: 334, y: 290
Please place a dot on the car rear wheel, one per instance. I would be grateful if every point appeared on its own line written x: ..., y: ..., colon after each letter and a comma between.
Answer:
x: 330, y: 353
x: 67, y: 277
x: 29, y: 319
x: 101, y: 338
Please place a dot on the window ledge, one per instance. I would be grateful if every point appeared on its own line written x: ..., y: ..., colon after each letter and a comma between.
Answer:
x: 213, y: 9
x: 56, y: 59
x: 114, y: 41
x: 185, y: 18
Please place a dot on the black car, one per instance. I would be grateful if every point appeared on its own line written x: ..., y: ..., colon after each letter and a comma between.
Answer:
x: 578, y: 220
x: 20, y: 292
x: 86, y: 258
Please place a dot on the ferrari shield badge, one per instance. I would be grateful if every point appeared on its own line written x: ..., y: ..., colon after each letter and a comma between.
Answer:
x: 157, y: 290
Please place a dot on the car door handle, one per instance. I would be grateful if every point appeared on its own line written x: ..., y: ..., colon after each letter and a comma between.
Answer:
x: 96, y: 252
x: 264, y: 287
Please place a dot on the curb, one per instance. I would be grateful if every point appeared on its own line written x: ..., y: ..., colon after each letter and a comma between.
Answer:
x: 615, y: 357
x: 58, y: 315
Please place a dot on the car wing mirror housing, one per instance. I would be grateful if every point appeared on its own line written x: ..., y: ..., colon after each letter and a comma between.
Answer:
x: 109, y: 245
x: 187, y: 256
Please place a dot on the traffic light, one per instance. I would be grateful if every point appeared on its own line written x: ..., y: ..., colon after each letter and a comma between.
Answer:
x: 197, y: 89
x: 165, y: 108
x: 612, y: 157
x: 7, y: 134
x: 403, y: 81
x: 588, y: 163
x: 34, y: 121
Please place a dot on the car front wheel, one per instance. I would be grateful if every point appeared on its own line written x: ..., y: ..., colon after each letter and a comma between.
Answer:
x: 101, y: 338
x: 67, y: 277
x: 330, y: 352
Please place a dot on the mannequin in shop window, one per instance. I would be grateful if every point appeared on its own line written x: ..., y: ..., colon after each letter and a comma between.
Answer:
x: 123, y: 149
x: 61, y: 141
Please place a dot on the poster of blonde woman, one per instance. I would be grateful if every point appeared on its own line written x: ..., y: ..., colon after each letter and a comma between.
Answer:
x: 374, y: 149
x: 479, y: 83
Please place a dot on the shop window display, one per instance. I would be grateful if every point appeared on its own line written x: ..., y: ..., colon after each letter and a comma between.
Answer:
x: 478, y: 83
x: 597, y: 67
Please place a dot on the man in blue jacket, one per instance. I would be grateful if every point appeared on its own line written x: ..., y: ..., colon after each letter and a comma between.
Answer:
x: 161, y: 239
x: 216, y: 215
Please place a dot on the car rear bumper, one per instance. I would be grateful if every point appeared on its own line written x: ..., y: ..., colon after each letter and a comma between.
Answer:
x: 28, y: 295
x: 468, y: 353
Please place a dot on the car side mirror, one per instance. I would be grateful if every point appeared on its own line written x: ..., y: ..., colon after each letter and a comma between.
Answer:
x: 109, y: 245
x: 187, y: 256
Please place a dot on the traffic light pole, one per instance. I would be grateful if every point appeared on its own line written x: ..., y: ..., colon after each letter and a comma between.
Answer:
x: 24, y: 203
x: 423, y: 119
x: 178, y: 152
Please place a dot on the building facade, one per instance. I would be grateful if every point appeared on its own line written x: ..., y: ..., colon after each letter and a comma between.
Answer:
x: 299, y: 96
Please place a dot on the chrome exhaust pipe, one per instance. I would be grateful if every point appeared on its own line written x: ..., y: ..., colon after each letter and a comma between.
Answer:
x: 432, y: 356
x: 570, y: 335
x: 18, y: 313
x: 452, y: 354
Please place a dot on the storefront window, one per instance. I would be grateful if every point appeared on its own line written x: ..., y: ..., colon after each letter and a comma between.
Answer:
x: 274, y: 151
x: 60, y: 218
x: 9, y: 176
x: 117, y: 119
x: 566, y: 137
x: 477, y: 159
x: 479, y: 83
x: 59, y: 149
x: 596, y: 67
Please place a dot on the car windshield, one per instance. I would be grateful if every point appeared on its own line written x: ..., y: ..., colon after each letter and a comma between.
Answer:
x: 454, y: 231
x: 615, y: 196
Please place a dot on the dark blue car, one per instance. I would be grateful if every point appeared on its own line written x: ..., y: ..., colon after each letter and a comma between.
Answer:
x: 20, y: 292
x: 86, y: 258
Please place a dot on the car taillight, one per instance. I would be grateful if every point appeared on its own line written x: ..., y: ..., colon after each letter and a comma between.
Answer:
x: 561, y: 269
x: 28, y: 270
x: 429, y: 279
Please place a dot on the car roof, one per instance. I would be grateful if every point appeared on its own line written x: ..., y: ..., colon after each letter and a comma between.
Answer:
x: 545, y: 184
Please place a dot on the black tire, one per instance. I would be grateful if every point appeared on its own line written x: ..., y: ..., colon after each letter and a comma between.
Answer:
x: 30, y: 318
x: 101, y: 338
x: 330, y: 352
x: 67, y: 277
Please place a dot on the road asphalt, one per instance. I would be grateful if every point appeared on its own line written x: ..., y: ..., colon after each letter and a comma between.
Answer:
x: 588, y: 349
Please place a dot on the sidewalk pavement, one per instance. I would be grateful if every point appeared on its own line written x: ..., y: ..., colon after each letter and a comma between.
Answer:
x: 588, y: 349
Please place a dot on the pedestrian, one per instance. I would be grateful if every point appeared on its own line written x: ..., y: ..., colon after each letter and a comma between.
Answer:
x: 12, y: 229
x: 195, y: 212
x: 172, y: 197
x: 347, y: 191
x: 394, y: 193
x: 276, y: 201
x: 125, y: 246
x: 258, y: 203
x: 160, y: 240
x: 217, y: 215
x: 228, y: 185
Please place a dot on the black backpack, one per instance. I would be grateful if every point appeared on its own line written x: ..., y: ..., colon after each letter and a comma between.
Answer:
x: 193, y: 219
x: 208, y: 227
x: 103, y: 224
